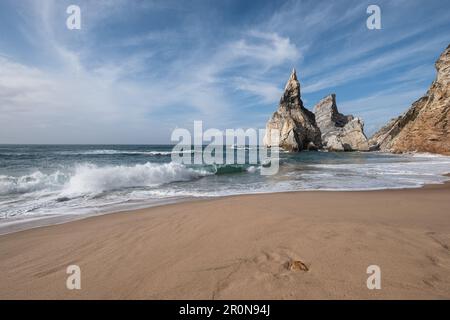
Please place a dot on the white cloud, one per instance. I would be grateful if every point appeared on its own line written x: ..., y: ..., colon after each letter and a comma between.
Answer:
x: 267, y: 91
x: 264, y: 49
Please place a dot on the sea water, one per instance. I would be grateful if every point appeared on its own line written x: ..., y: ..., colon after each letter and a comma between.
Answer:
x: 41, y: 181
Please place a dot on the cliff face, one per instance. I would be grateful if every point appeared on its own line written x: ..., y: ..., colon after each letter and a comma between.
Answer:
x: 425, y: 127
x: 297, y: 126
x: 339, y: 132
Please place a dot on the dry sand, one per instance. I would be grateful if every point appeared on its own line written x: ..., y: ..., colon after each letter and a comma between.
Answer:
x: 238, y: 248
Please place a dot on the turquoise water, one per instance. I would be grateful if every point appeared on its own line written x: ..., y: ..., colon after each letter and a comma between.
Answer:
x: 56, y: 180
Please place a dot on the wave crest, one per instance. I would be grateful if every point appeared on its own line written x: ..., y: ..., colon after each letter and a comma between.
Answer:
x: 29, y: 183
x: 89, y: 178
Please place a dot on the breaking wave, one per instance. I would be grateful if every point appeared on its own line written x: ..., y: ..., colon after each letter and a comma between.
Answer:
x: 93, y: 179
x: 29, y: 183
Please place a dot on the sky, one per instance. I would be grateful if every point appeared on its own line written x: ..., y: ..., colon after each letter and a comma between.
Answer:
x: 136, y: 70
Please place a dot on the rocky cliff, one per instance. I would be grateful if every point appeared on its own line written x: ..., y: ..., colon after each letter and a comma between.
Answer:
x: 339, y: 132
x: 296, y: 125
x: 425, y: 127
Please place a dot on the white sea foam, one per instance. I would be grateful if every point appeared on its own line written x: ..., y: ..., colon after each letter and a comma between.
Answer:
x: 252, y: 169
x: 427, y: 155
x: 91, y: 179
x: 418, y: 168
x: 30, y: 183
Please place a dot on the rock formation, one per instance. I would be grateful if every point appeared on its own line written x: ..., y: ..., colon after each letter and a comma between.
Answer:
x: 339, y: 132
x: 425, y: 127
x: 297, y: 126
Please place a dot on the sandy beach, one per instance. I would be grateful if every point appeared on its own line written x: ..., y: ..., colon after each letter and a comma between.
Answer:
x: 225, y: 150
x: 238, y: 248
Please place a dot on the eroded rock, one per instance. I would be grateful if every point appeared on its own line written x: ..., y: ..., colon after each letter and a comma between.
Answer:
x: 339, y: 132
x: 296, y: 125
x: 425, y: 127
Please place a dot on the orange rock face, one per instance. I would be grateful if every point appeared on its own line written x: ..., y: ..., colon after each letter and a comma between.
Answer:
x: 425, y: 127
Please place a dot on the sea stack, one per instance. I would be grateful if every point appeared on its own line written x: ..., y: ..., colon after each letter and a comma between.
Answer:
x: 339, y: 132
x: 296, y: 125
x: 425, y: 127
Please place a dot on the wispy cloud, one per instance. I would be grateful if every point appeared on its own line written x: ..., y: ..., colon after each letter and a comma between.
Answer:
x: 382, y: 106
x: 373, y: 65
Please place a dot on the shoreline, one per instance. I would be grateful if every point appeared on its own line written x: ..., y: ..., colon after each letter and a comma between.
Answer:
x: 237, y: 247
x: 40, y: 221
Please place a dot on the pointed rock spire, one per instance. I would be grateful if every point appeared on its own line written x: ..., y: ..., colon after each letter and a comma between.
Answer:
x: 297, y: 128
x: 293, y: 74
x: 292, y: 94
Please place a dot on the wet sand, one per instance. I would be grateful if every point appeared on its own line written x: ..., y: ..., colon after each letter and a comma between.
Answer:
x: 239, y: 247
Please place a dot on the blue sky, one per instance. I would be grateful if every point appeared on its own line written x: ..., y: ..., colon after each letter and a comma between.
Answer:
x: 138, y: 69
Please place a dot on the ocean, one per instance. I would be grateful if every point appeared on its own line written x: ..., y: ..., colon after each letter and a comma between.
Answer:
x: 42, y: 181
